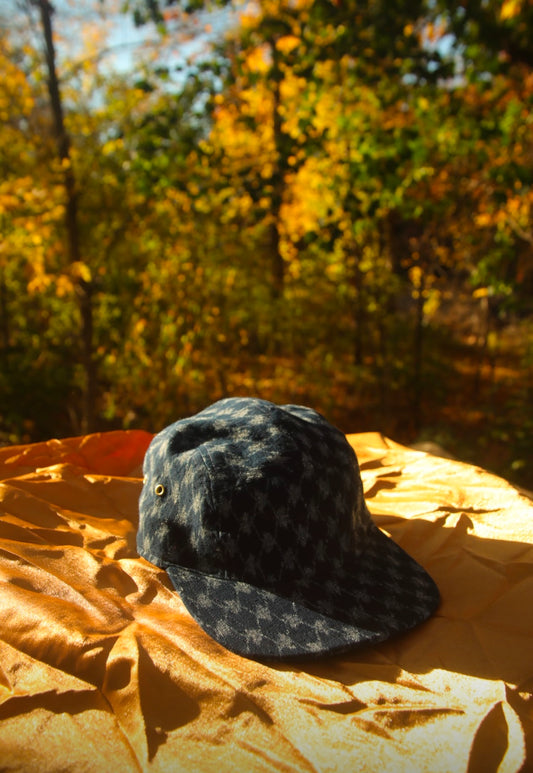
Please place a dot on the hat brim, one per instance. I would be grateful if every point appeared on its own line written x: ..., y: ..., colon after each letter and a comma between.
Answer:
x: 384, y: 592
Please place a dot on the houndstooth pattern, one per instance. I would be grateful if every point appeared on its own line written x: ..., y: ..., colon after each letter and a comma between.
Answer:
x: 257, y: 512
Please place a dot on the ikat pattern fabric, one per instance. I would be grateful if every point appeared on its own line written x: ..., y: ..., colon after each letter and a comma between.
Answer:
x: 257, y: 513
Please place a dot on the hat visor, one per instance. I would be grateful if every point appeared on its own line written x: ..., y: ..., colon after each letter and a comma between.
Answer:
x: 386, y: 592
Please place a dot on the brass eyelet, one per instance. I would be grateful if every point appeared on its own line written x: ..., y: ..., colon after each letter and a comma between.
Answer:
x: 159, y: 490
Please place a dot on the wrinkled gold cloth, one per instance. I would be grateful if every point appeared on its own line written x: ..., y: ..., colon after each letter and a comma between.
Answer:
x: 103, y: 669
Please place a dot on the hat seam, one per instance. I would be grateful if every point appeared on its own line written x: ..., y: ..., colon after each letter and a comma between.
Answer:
x: 347, y: 592
x: 210, y: 469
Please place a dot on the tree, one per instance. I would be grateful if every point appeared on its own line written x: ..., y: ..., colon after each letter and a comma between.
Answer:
x: 283, y: 218
x: 84, y: 287
x: 491, y: 36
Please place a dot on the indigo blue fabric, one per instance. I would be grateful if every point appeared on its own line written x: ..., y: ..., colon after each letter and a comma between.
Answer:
x: 256, y: 511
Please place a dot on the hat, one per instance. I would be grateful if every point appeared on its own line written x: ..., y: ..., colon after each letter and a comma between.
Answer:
x: 256, y: 512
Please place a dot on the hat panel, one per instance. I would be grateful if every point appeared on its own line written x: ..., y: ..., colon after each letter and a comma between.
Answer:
x: 156, y: 470
x: 270, y: 503
x: 275, y: 521
x: 172, y: 506
x: 189, y: 434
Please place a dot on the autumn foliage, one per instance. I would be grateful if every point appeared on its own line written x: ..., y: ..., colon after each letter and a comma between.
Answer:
x: 331, y: 206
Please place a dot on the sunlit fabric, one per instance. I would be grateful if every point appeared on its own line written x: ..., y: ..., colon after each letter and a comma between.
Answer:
x: 102, y: 668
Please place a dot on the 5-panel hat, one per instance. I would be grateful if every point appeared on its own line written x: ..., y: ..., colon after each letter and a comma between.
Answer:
x: 256, y: 512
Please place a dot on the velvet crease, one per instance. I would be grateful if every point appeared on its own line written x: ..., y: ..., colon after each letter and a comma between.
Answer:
x: 102, y: 668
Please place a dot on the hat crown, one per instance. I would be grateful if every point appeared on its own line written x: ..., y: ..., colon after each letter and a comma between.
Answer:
x: 252, y: 491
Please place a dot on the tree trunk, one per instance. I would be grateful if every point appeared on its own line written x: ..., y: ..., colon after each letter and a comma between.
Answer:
x: 84, y: 288
x: 4, y: 319
x: 359, y: 307
x: 418, y: 351
x: 278, y: 180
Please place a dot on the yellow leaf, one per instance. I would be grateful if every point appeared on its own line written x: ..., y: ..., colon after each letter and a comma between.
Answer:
x: 81, y: 270
x: 249, y: 17
x: 63, y: 286
x: 287, y: 43
x: 257, y: 60
x: 139, y: 327
x: 510, y: 8
x: 415, y: 275
x: 39, y: 283
x: 483, y: 219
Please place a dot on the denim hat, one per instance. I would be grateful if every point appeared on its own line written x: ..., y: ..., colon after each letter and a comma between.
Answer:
x: 256, y: 512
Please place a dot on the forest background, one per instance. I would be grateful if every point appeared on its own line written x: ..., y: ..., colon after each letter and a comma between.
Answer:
x: 326, y: 202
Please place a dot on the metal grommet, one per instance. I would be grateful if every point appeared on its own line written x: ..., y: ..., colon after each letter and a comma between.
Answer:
x: 159, y: 490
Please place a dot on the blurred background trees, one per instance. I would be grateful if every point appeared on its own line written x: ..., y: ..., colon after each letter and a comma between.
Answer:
x: 318, y: 201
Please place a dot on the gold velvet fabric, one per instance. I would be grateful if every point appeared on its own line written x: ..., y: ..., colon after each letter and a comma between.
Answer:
x: 103, y: 669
